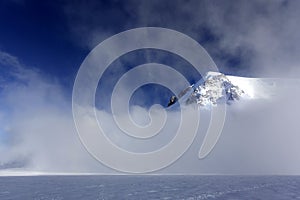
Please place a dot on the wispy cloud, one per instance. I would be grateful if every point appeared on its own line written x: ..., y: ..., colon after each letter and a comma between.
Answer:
x: 243, y: 37
x: 9, y: 60
x: 36, y: 122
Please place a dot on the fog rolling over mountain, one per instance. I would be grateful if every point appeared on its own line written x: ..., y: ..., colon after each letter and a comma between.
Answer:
x: 260, y: 134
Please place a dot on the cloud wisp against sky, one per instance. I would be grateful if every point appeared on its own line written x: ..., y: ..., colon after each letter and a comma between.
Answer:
x: 244, y: 37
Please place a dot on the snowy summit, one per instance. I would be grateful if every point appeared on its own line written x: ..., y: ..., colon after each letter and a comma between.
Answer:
x: 213, y: 89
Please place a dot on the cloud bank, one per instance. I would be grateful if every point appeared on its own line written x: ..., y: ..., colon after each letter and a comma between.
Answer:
x: 259, y: 137
x: 36, y: 122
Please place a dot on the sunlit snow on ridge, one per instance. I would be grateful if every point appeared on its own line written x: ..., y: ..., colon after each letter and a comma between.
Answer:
x: 217, y: 88
x: 255, y: 88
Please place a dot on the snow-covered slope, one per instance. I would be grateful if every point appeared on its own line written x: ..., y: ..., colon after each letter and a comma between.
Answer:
x: 213, y: 89
x: 256, y: 88
x: 217, y: 88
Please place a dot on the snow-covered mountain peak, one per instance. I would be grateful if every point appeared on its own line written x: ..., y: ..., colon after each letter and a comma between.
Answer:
x: 214, y: 88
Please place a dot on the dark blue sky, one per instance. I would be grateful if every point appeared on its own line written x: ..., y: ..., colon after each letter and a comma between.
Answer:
x: 45, y: 34
x: 55, y: 36
x: 36, y: 32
